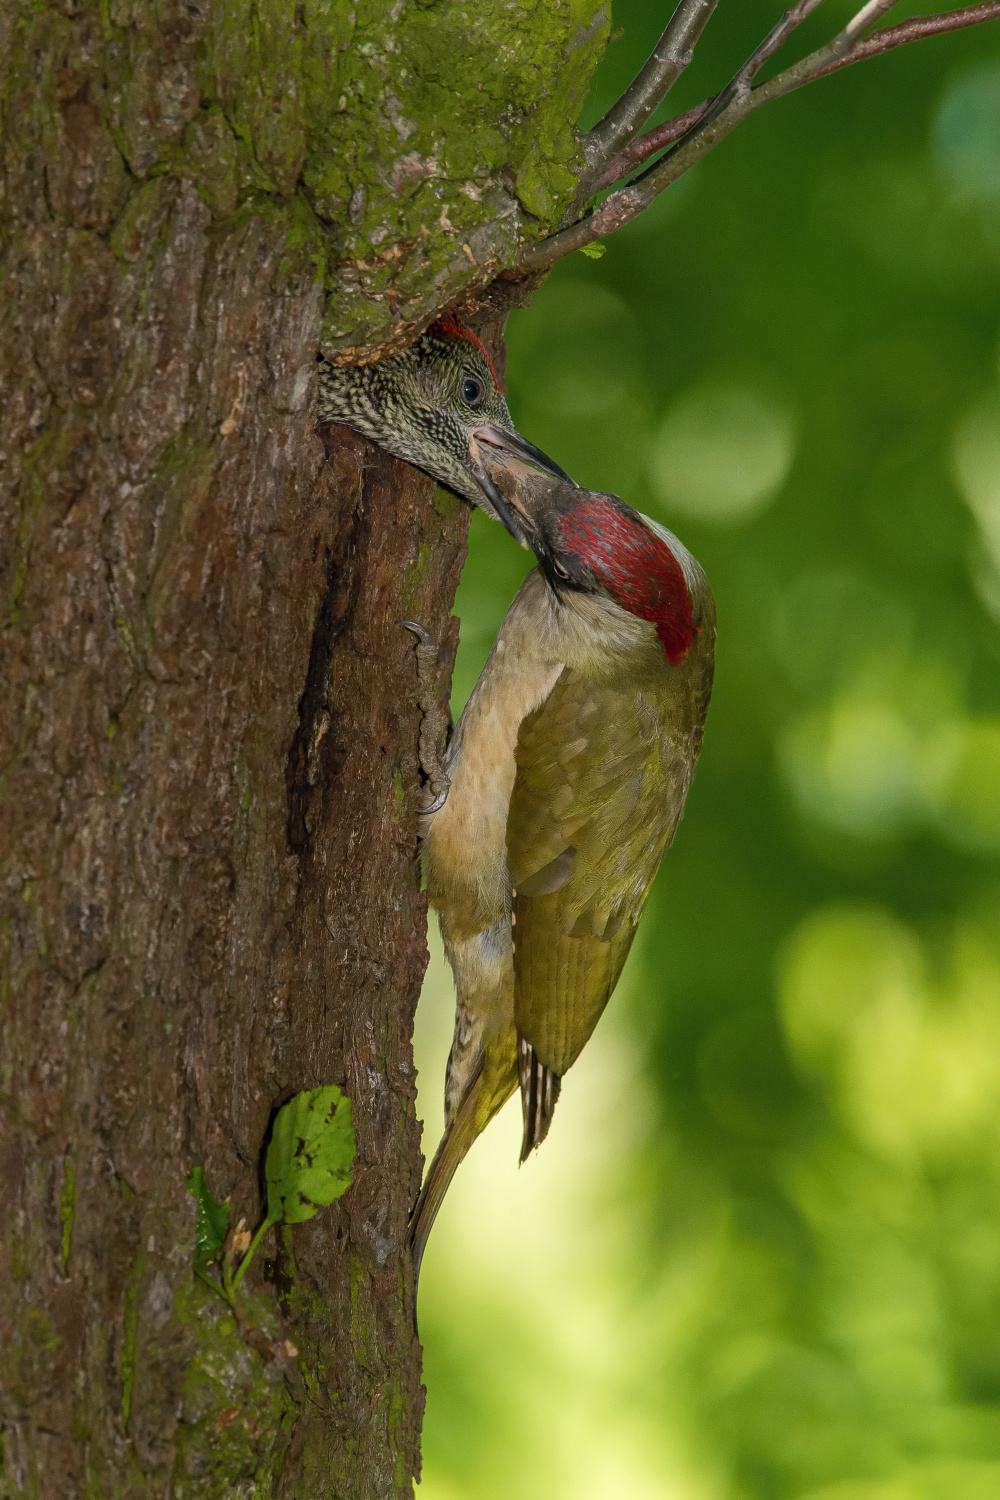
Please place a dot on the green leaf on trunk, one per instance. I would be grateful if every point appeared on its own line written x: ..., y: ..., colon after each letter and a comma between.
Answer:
x: 213, y: 1220
x: 309, y: 1158
x: 594, y: 250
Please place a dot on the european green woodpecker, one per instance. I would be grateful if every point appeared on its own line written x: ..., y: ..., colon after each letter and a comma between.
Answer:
x: 434, y: 405
x: 569, y: 769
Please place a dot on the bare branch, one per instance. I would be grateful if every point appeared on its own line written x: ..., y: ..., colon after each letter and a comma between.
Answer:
x: 642, y: 147
x: 908, y: 31
x: 867, y: 16
x: 651, y: 85
x: 845, y: 49
x: 625, y: 205
x: 739, y: 89
x: 725, y: 111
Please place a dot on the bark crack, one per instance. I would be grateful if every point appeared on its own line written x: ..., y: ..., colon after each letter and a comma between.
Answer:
x: 315, y: 707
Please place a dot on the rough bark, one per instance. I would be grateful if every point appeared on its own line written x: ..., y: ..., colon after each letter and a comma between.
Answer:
x: 209, y: 894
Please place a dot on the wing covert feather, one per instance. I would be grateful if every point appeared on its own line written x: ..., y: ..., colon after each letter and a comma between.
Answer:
x: 602, y: 776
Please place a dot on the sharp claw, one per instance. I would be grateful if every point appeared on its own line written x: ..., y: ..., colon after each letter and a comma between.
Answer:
x: 437, y: 804
x: 421, y: 632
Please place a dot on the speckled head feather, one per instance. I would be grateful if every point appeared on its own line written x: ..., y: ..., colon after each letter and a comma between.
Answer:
x: 429, y: 405
x: 451, y: 328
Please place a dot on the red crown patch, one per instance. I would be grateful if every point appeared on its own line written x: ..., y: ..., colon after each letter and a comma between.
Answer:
x: 450, y: 328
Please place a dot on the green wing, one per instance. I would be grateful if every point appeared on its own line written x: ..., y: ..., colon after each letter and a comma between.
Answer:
x: 602, y: 776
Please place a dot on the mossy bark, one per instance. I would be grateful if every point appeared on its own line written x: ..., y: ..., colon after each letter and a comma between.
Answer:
x: 209, y: 894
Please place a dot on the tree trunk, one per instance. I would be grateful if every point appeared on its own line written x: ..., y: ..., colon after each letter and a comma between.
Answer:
x: 210, y: 896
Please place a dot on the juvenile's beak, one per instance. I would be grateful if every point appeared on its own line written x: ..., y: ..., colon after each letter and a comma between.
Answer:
x: 527, y: 492
x: 485, y: 482
x: 518, y: 447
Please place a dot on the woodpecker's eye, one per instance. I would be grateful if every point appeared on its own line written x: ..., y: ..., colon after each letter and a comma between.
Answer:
x: 472, y: 390
x: 559, y: 570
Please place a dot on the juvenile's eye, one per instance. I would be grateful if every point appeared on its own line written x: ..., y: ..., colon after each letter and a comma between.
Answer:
x: 559, y: 570
x: 472, y: 390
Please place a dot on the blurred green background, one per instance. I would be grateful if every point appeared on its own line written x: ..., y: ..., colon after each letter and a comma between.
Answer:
x: 758, y: 1257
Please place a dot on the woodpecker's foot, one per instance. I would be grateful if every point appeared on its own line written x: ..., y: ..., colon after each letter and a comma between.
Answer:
x: 435, y: 723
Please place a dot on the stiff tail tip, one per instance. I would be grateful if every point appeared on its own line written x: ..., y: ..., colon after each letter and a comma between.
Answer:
x: 539, y: 1092
x: 425, y: 1211
x: 455, y: 1142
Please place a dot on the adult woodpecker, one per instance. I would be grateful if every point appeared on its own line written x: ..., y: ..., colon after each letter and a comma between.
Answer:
x: 434, y: 405
x: 569, y: 770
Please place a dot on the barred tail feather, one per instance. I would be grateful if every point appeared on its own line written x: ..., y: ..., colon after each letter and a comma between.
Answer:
x: 539, y: 1092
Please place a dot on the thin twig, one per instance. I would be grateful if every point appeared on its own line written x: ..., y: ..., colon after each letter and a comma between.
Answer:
x: 625, y: 205
x: 643, y: 147
x: 845, y: 49
x: 716, y: 118
x: 911, y: 31
x: 740, y: 87
x: 651, y: 85
x: 867, y: 16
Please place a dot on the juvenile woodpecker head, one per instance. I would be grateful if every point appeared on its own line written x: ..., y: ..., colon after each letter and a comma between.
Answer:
x: 433, y: 405
x: 587, y: 542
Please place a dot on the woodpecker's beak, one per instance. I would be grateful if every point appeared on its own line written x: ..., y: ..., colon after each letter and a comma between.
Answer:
x: 478, y: 471
x: 503, y: 443
x: 518, y: 447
